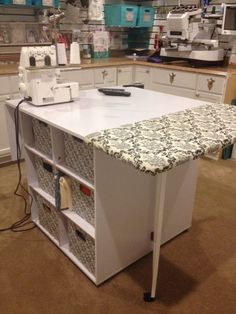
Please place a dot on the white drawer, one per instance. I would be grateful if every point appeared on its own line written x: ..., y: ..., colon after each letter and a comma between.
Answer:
x: 124, y: 75
x: 215, y: 98
x: 175, y: 78
x: 211, y: 83
x: 5, y: 87
x: 173, y: 90
x: 105, y: 75
x: 142, y: 70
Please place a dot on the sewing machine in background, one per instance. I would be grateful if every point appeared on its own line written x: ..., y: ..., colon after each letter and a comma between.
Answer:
x: 190, y: 37
x: 39, y: 77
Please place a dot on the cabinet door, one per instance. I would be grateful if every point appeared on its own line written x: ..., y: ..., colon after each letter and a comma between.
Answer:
x: 105, y: 77
x: 174, y: 78
x: 210, y: 88
x: 5, y: 87
x: 124, y: 75
x: 83, y: 77
x: 142, y: 75
x: 211, y: 84
x: 4, y: 140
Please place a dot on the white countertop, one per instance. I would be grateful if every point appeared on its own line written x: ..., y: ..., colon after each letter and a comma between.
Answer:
x: 94, y: 112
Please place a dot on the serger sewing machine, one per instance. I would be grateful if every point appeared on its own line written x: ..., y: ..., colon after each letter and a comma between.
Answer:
x: 189, y: 37
x: 39, y: 77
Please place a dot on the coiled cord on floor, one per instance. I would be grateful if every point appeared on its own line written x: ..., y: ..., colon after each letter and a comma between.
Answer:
x: 20, y: 224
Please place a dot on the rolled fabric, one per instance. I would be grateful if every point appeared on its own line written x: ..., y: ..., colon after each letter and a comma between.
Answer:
x: 65, y: 191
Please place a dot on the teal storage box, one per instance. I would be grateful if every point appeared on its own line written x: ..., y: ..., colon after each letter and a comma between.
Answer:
x: 50, y: 3
x: 6, y: 2
x: 120, y: 15
x: 145, y: 16
x: 22, y: 2
x: 36, y: 3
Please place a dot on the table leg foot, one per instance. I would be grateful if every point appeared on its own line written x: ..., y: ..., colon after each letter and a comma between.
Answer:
x: 147, y: 297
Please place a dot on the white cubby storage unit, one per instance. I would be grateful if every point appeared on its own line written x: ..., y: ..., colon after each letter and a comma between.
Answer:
x: 110, y: 221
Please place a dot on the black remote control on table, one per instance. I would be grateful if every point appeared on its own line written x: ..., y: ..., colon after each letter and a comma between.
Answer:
x: 117, y: 93
x: 110, y: 89
x: 114, y: 92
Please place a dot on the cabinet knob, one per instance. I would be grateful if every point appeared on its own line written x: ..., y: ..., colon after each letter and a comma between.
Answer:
x: 8, y: 97
x: 147, y: 71
x: 172, y: 77
x: 104, y: 73
x: 197, y: 94
x: 210, y: 83
x: 119, y: 70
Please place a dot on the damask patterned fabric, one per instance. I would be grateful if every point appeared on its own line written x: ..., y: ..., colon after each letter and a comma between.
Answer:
x: 157, y: 145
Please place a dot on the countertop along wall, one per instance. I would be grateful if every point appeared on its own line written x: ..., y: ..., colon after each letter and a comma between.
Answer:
x: 11, y: 69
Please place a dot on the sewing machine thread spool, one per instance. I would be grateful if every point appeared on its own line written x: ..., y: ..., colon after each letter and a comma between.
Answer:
x: 61, y: 54
x: 74, y: 53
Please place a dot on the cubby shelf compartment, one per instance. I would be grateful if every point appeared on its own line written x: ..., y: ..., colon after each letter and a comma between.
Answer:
x: 79, y: 156
x: 70, y: 173
x: 66, y: 251
x: 37, y: 136
x: 36, y: 221
x: 38, y: 153
x: 45, y: 195
x: 83, y: 224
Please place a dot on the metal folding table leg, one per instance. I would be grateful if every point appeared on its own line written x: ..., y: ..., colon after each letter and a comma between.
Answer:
x: 160, y: 191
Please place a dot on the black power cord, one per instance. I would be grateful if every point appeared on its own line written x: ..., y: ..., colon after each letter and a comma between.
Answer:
x: 19, y: 225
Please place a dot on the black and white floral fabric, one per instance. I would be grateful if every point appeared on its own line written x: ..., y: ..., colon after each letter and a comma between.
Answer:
x: 157, y: 145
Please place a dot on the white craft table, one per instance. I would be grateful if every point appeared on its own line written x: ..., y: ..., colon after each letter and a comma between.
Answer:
x: 123, y: 219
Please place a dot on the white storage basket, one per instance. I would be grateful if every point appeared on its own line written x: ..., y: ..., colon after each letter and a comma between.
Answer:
x: 42, y: 137
x: 82, y: 246
x: 48, y: 217
x: 45, y: 176
x: 83, y: 201
x: 79, y: 157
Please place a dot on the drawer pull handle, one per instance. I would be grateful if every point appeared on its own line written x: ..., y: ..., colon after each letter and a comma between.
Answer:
x: 47, y: 167
x: 86, y: 191
x: 172, y: 77
x: 80, y: 235
x: 46, y: 207
x: 43, y: 124
x: 104, y: 73
x: 77, y: 139
x: 210, y: 83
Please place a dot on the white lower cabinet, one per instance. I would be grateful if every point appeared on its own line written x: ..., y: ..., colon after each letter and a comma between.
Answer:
x: 83, y: 76
x: 105, y: 77
x: 173, y: 82
x: 210, y: 88
x: 124, y: 75
x: 4, y: 140
x: 109, y: 223
x: 204, y: 87
x: 142, y: 75
x: 5, y: 93
x: 167, y: 89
